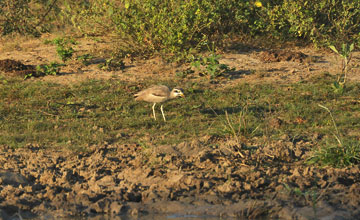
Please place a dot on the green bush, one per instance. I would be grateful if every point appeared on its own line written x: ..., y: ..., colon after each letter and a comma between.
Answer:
x: 180, y: 27
x: 169, y: 26
x: 91, y: 17
x: 27, y: 16
x: 324, y: 22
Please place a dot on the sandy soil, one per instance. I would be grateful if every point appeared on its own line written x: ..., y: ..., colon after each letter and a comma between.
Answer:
x: 205, y: 177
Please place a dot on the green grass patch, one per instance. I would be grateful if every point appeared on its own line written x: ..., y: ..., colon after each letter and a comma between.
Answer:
x: 97, y: 112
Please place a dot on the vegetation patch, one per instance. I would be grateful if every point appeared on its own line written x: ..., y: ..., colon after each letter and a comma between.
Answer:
x: 98, y: 112
x: 180, y: 28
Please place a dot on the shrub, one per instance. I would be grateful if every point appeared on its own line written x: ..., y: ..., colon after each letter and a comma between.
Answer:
x: 180, y: 27
x: 169, y: 26
x: 324, y: 22
x: 91, y: 17
x: 26, y: 16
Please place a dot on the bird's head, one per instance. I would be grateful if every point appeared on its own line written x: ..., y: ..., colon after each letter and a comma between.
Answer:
x: 176, y: 92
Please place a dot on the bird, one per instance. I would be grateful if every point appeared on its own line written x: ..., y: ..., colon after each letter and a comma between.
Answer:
x: 158, y: 94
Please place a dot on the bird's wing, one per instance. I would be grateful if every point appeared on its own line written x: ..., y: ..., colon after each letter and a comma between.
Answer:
x: 161, y: 91
x: 153, y: 94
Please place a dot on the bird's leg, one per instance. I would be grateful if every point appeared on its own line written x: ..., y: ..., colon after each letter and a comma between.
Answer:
x: 162, y: 111
x: 153, y: 108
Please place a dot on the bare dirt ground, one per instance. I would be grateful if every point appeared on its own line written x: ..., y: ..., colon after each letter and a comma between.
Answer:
x: 194, y: 179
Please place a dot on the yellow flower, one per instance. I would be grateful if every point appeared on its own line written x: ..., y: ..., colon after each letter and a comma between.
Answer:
x: 258, y: 4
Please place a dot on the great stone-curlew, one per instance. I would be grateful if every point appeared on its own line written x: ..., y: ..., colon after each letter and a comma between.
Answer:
x: 158, y: 94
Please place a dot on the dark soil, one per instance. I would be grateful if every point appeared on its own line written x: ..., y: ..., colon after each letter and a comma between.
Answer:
x: 204, y: 177
x: 16, y: 68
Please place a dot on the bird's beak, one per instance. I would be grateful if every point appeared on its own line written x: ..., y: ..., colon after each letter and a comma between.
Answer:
x: 182, y: 95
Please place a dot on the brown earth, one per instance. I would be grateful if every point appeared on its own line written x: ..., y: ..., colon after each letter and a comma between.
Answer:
x: 205, y: 177
x: 199, y: 178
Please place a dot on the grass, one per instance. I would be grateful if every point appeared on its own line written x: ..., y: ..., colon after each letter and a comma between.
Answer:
x: 338, y: 154
x: 98, y: 112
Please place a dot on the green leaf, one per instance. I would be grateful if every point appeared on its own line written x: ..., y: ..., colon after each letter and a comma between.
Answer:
x: 344, y: 48
x: 333, y: 48
x: 351, y: 48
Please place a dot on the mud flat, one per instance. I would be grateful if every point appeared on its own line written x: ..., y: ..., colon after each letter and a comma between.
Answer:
x: 204, y: 177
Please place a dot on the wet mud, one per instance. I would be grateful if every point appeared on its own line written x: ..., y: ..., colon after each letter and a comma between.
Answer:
x: 205, y: 177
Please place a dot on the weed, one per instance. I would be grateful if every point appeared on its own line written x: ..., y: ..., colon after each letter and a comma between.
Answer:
x: 185, y: 73
x: 112, y: 64
x: 336, y: 155
x: 342, y: 154
x: 45, y: 69
x: 345, y: 54
x: 63, y: 47
x: 85, y: 58
x: 242, y: 126
x: 210, y: 66
x: 338, y: 87
x: 51, y: 69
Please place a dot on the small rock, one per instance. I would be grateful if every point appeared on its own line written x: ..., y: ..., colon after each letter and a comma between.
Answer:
x: 134, y: 212
x: 247, y: 186
x: 106, y: 181
x: 116, y: 208
x: 225, y: 188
